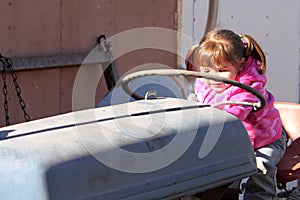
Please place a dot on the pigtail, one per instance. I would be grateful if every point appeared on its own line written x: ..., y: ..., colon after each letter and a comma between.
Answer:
x: 253, y: 49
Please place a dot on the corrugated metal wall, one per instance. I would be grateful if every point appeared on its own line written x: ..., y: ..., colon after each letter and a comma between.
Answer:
x: 40, y: 29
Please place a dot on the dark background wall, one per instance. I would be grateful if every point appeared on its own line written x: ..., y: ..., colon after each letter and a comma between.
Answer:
x: 33, y: 31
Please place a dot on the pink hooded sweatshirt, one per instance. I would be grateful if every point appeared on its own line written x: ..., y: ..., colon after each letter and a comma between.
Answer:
x: 264, y: 126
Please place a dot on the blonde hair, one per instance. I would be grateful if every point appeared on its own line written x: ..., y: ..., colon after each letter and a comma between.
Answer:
x: 189, y: 58
x: 221, y: 44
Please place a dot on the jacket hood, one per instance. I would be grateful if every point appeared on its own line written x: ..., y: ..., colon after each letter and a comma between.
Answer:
x: 250, y: 73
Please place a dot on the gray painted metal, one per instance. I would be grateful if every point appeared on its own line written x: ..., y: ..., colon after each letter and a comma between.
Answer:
x: 25, y: 63
x: 38, y: 62
x: 51, y: 158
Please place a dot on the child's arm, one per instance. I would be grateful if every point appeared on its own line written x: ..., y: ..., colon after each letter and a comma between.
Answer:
x: 239, y: 111
x: 240, y: 95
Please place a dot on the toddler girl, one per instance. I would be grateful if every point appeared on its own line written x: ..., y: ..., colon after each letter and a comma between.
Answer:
x: 239, y: 57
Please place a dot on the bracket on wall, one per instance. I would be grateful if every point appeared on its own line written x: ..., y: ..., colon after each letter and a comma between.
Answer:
x: 102, y: 54
x: 38, y: 62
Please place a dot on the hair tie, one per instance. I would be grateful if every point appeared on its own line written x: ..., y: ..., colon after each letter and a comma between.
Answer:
x: 245, y: 41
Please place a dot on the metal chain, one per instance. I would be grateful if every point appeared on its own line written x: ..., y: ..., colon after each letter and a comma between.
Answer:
x: 8, y: 64
x: 5, y: 92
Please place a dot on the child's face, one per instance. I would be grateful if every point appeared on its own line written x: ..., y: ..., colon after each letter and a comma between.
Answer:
x: 225, y: 70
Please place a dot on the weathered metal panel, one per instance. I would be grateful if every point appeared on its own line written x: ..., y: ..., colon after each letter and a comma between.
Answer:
x: 59, y: 33
x: 68, y: 76
x: 30, y: 28
x: 52, y: 28
x: 155, y: 149
x: 40, y: 92
x: 82, y: 22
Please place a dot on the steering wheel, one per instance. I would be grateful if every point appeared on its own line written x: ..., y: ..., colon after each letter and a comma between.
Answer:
x: 176, y: 72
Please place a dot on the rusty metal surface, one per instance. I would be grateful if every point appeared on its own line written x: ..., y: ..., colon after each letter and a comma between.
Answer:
x: 46, y: 39
x: 46, y: 92
x: 40, y: 91
x: 46, y: 29
x: 29, y: 28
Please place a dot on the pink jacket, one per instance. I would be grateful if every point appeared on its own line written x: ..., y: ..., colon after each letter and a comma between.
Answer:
x: 264, y: 126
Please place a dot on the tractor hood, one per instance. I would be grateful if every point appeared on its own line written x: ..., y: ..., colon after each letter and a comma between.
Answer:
x: 148, y: 149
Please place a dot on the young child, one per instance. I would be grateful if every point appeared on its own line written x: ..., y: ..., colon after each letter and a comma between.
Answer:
x: 239, y: 57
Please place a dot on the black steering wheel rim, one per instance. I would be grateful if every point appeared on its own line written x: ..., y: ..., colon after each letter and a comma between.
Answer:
x: 177, y: 72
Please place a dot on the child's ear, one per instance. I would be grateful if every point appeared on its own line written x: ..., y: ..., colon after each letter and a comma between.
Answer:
x: 242, y: 61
